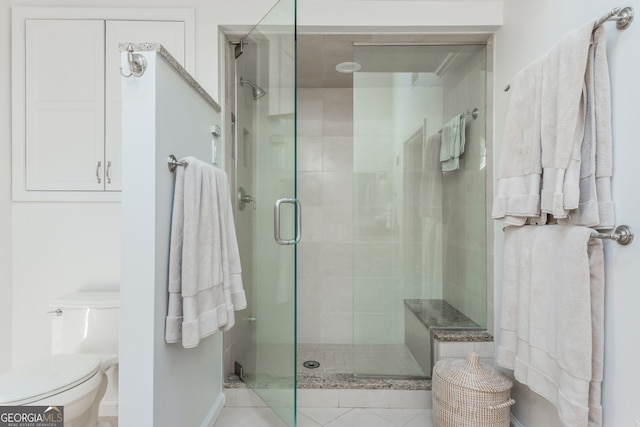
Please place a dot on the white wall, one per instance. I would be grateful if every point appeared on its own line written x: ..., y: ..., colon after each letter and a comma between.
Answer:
x: 5, y: 189
x: 530, y: 29
x: 161, y: 384
x: 56, y: 248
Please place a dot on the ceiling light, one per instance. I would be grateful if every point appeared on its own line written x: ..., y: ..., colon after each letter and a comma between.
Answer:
x: 348, y: 67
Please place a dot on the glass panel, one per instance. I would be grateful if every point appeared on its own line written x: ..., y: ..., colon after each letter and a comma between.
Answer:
x: 419, y: 231
x: 265, y: 156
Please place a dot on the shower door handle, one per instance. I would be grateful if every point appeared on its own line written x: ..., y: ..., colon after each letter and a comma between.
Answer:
x: 276, y: 221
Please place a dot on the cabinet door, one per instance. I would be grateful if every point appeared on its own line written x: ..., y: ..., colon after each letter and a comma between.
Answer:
x: 172, y: 36
x: 64, y: 104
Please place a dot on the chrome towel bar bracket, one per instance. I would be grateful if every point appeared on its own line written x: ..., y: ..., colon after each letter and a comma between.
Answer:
x: 173, y: 163
x: 622, y: 234
x: 622, y: 16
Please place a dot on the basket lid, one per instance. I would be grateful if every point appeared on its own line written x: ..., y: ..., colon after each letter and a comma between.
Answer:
x: 472, y: 374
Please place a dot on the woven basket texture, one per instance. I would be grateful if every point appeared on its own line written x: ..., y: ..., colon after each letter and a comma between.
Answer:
x: 468, y: 393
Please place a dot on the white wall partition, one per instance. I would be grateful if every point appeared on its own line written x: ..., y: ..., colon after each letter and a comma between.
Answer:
x: 162, y: 115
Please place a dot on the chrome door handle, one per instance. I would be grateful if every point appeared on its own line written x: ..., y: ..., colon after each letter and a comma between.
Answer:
x: 98, y: 172
x: 276, y: 221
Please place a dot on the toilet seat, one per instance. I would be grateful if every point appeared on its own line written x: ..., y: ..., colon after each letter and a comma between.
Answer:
x: 46, y: 377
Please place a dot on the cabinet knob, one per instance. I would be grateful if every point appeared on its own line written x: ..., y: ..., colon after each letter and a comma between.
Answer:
x: 98, y: 171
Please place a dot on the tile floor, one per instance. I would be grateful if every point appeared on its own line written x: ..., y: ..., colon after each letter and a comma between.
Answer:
x: 330, y: 417
x: 334, y: 408
x: 340, y: 406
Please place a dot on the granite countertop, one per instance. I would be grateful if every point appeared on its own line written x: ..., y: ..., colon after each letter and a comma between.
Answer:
x: 157, y: 47
x: 437, y: 313
x: 462, y: 336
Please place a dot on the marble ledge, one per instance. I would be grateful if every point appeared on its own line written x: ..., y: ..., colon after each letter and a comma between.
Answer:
x: 157, y: 47
x: 462, y: 336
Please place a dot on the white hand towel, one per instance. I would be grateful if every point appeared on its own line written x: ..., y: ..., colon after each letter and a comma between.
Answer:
x: 562, y: 121
x: 552, y: 326
x: 517, y: 190
x: 204, y: 264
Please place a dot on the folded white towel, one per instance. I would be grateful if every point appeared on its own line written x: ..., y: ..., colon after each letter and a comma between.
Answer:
x: 517, y: 190
x: 562, y: 121
x: 552, y: 325
x: 452, y: 143
x: 205, y: 285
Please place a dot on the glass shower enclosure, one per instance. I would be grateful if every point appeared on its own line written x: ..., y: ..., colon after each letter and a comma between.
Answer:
x: 266, y: 207
x: 419, y: 229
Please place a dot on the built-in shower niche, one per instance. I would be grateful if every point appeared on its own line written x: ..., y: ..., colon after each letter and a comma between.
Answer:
x: 422, y: 318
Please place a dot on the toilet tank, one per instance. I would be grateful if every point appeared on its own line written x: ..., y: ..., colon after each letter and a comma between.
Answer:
x: 87, y: 322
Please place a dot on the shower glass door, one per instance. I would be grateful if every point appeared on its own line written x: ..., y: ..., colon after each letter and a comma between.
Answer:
x: 266, y: 215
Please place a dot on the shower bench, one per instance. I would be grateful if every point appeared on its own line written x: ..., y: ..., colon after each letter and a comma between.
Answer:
x: 427, y: 321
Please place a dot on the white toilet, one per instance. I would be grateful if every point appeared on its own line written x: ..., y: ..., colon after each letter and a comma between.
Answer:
x: 84, y: 347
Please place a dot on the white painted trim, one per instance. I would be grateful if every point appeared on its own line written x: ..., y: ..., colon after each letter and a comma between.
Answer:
x: 18, y: 31
x: 214, y: 411
x: 515, y: 422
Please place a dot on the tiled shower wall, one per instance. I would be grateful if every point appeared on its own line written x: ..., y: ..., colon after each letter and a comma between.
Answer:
x: 325, y: 189
x: 464, y: 206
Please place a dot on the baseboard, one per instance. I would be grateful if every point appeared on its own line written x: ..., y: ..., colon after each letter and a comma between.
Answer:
x: 214, y: 411
x: 515, y: 422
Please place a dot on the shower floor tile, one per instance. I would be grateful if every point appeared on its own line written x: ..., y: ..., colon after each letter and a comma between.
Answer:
x: 369, y: 360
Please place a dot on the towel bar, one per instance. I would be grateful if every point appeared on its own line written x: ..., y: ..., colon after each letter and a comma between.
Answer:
x: 473, y: 113
x: 622, y: 234
x: 173, y: 163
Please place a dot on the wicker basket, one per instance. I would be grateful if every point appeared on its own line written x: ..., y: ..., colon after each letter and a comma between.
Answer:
x: 468, y: 393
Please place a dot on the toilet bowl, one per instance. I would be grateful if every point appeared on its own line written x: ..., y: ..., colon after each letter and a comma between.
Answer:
x: 75, y: 375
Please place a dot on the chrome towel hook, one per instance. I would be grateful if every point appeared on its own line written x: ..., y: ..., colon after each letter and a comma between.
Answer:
x: 137, y: 63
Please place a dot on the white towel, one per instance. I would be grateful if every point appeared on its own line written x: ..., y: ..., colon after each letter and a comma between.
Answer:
x: 552, y: 325
x: 205, y: 284
x: 517, y: 190
x: 562, y: 121
x: 596, y: 209
x: 452, y: 143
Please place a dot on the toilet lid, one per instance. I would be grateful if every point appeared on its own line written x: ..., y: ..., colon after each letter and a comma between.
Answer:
x: 46, y: 377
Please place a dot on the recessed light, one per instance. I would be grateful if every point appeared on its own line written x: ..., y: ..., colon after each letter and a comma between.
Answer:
x: 348, y: 67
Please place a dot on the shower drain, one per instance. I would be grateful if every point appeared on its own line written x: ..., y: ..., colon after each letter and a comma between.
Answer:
x: 311, y: 364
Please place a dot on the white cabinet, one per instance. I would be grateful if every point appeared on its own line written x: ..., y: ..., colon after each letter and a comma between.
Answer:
x: 64, y: 105
x: 66, y: 80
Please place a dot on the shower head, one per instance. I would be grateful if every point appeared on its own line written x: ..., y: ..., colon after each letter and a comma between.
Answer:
x: 256, y: 90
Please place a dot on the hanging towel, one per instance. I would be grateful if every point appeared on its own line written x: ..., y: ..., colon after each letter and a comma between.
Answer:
x: 596, y: 208
x: 552, y: 325
x: 452, y: 143
x: 205, y: 284
x: 562, y: 121
x: 517, y: 190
